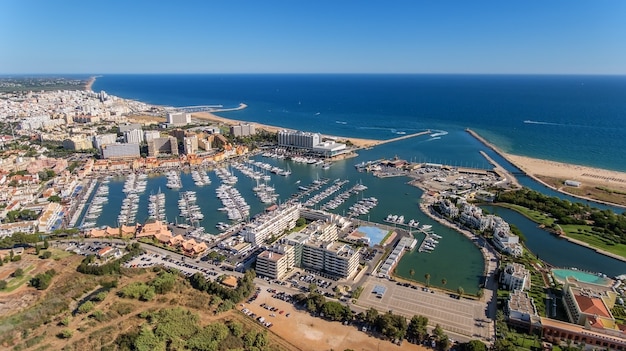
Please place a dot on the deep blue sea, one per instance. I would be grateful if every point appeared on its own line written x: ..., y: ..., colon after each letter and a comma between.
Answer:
x: 574, y: 119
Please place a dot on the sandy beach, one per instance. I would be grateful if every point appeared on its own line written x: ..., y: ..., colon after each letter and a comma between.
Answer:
x: 211, y: 116
x: 89, y: 83
x: 585, y: 175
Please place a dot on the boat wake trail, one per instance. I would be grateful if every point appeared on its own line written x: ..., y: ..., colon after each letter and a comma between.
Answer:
x: 544, y: 123
x: 438, y: 133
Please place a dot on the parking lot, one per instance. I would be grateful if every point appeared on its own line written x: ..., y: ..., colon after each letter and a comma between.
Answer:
x: 459, y: 316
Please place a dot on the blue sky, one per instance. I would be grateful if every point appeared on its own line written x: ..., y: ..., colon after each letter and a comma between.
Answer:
x: 290, y: 36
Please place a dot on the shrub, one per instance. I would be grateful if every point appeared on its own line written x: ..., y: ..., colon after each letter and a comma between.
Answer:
x: 65, y: 334
x: 86, y: 307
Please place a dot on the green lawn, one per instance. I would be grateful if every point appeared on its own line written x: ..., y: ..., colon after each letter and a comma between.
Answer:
x: 587, y: 235
x: 15, y: 283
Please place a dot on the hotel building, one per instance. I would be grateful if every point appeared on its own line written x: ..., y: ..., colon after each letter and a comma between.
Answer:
x: 272, y: 223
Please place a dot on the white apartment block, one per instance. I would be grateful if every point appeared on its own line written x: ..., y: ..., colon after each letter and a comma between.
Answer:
x: 516, y: 277
x: 134, y: 136
x: 298, y: 139
x: 276, y: 262
x: 178, y: 119
x: 335, y: 258
x: 273, y: 223
x: 119, y: 150
x: 103, y: 139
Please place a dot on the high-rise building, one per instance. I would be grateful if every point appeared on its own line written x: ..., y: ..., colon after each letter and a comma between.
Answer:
x: 151, y: 134
x: 242, y: 129
x: 103, y: 139
x: 298, y: 139
x: 178, y: 119
x: 190, y: 144
x: 135, y: 136
x: 120, y: 150
x: 165, y: 145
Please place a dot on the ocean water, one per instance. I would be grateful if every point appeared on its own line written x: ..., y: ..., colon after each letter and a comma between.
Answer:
x: 574, y: 119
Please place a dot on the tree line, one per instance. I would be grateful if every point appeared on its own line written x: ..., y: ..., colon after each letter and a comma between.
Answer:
x: 245, y: 286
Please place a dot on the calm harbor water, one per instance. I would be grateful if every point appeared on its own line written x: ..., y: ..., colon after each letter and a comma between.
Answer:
x: 537, y: 116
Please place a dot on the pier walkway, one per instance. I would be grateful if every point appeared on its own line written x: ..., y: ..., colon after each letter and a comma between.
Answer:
x: 387, y: 141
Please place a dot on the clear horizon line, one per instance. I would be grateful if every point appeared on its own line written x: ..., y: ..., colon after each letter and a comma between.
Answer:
x: 308, y: 73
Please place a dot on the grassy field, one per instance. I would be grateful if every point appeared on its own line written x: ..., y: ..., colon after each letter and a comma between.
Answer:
x: 15, y: 283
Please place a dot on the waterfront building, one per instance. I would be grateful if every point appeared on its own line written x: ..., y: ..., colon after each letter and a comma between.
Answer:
x: 298, y: 139
x: 516, y: 277
x: 164, y: 145
x: 178, y: 119
x: 405, y: 243
x: 151, y: 135
x: 242, y: 129
x: 135, y: 136
x: 103, y: 139
x: 8, y: 229
x: 273, y: 223
x: 119, y: 150
x: 504, y: 240
x: 50, y: 217
x: 329, y: 149
x: 448, y: 208
x: 589, y: 305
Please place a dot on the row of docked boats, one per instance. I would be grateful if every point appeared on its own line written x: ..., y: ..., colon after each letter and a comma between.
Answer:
x: 362, y: 207
x: 250, y: 172
x: 135, y: 183
x: 156, y: 206
x: 128, y: 210
x: 234, y: 204
x: 226, y: 176
x: 173, y: 180
x: 95, y: 208
x: 333, y: 188
x: 200, y: 178
x: 188, y: 207
x: 342, y: 197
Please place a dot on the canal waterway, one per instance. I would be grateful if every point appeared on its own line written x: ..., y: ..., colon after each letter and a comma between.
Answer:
x: 558, y: 251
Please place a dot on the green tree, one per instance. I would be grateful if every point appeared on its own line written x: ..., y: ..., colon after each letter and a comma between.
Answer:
x: 3, y: 284
x: 371, y: 315
x: 427, y: 276
x: 444, y: 281
x: 475, y: 345
x: 18, y: 273
x: 412, y: 273
x: 46, y: 255
x: 46, y: 245
x: 416, y: 330
x: 460, y: 291
x: 86, y: 307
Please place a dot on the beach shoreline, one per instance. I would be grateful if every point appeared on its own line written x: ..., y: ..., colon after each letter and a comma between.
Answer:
x: 535, y: 167
x: 89, y: 83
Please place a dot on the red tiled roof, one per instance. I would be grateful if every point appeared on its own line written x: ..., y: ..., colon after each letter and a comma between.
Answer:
x: 592, y: 306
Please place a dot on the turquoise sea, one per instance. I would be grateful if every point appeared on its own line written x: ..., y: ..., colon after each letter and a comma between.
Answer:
x: 574, y: 119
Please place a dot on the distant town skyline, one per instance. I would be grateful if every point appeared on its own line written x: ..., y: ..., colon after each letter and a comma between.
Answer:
x: 513, y: 37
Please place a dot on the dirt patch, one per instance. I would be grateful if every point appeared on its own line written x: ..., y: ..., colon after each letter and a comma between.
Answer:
x: 311, y: 333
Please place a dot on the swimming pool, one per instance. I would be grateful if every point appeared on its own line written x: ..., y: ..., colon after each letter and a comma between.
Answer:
x: 585, y: 277
x: 374, y: 233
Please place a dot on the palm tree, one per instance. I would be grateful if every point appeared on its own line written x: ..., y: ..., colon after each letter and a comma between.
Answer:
x: 444, y: 281
x: 461, y: 291
x: 412, y: 273
x: 427, y: 276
